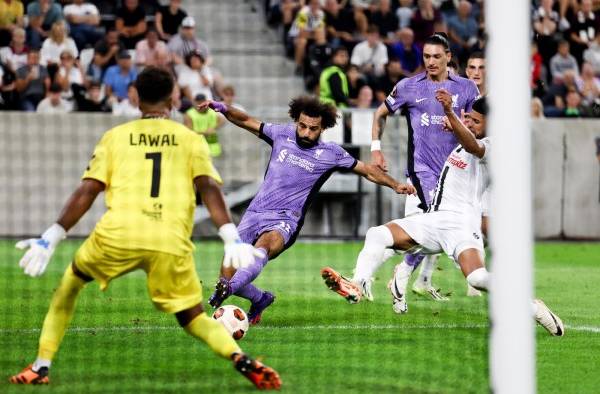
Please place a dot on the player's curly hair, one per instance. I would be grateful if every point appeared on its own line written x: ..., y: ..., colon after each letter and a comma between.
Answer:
x: 313, y: 107
x: 480, y: 106
x: 154, y: 85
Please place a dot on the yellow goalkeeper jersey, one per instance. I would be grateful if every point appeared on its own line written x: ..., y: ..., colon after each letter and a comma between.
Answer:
x: 148, y: 167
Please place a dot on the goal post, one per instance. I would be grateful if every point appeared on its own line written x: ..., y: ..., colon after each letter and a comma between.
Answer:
x: 512, y: 344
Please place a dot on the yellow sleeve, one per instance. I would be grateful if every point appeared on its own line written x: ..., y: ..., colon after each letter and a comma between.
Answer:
x: 201, y: 162
x: 99, y: 165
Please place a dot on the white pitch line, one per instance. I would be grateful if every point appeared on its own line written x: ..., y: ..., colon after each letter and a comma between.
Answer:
x: 592, y: 329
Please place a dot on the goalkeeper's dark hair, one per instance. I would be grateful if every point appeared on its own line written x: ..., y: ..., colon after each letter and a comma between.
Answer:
x: 154, y: 85
x: 313, y: 107
x: 480, y: 106
x: 439, y: 38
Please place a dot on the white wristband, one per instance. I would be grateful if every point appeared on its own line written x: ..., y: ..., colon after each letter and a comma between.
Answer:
x: 375, y: 145
x: 54, y: 234
x: 228, y: 233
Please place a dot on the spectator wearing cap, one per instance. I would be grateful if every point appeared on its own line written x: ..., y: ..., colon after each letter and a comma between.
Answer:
x: 105, y: 54
x: 69, y: 73
x: 11, y: 17
x: 57, y: 42
x: 168, y: 19
x: 186, y: 42
x: 151, y: 51
x: 15, y: 55
x: 54, y: 103
x: 408, y: 52
x: 196, y: 78
x: 131, y: 23
x: 32, y: 81
x: 118, y: 77
x: 205, y: 122
x: 84, y: 22
x: 42, y: 15
x: 371, y: 54
x: 90, y: 100
x: 130, y: 105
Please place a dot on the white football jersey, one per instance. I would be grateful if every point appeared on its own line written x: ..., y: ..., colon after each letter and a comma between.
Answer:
x: 462, y: 182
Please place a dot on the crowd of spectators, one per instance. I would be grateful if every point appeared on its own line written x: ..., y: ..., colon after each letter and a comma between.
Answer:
x: 383, y: 40
x: 83, y: 55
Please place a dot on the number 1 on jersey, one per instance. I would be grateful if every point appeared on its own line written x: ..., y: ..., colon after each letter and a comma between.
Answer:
x: 156, y: 158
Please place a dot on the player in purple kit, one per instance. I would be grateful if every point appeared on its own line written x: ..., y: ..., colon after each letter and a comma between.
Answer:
x: 299, y: 165
x: 428, y: 145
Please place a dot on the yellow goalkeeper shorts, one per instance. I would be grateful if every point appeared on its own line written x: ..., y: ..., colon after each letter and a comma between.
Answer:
x: 172, y: 280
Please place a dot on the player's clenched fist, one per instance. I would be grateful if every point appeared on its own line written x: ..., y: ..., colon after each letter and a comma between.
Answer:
x: 405, y: 188
x: 40, y: 250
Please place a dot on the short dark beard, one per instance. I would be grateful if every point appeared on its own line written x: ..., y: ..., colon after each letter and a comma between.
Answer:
x: 305, y: 144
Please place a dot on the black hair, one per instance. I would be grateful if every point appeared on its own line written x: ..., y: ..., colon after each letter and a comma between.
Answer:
x: 476, y: 55
x: 55, y: 88
x: 480, y: 106
x: 313, y: 107
x: 338, y: 50
x: 439, y: 38
x: 154, y: 85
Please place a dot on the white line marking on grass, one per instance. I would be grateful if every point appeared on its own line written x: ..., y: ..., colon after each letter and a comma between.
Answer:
x: 592, y: 329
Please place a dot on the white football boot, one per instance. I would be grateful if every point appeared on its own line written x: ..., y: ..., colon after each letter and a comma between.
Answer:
x: 473, y: 292
x: 397, y: 286
x: 548, y: 320
x: 366, y: 287
x: 426, y: 290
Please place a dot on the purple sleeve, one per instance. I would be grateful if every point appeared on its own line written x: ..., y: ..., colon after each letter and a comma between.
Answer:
x: 344, y: 160
x: 396, y: 98
x: 472, y: 94
x: 271, y: 131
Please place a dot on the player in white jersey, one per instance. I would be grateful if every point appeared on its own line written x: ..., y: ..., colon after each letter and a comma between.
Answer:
x: 452, y: 223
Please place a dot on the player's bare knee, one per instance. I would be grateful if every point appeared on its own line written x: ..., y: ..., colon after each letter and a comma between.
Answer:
x: 400, y: 238
x: 186, y: 316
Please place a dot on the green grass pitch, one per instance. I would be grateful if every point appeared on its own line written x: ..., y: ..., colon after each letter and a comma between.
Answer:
x: 119, y: 343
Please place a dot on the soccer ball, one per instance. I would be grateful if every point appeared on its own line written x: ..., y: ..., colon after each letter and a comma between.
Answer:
x: 234, y: 320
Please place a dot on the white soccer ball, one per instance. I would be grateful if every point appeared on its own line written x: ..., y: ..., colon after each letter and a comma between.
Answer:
x: 234, y: 319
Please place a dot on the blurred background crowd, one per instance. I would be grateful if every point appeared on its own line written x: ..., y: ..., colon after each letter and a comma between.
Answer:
x: 76, y: 55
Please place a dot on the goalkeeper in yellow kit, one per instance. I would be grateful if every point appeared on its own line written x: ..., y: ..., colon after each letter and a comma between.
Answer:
x: 149, y: 170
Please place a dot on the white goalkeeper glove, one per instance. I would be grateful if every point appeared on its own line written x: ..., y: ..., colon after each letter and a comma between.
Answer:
x: 237, y: 253
x: 39, y: 250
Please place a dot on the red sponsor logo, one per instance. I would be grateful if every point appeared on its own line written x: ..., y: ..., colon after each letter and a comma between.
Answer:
x: 457, y: 162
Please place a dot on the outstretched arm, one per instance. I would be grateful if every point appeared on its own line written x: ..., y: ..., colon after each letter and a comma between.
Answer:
x: 376, y: 175
x: 234, y: 115
x: 376, y: 132
x: 80, y: 201
x: 464, y: 136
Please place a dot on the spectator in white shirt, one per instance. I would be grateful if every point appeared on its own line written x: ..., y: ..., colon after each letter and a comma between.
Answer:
x: 129, y: 106
x: 84, y: 20
x: 562, y: 62
x: 370, y: 55
x: 56, y: 43
x: 404, y: 13
x: 69, y: 73
x: 15, y: 55
x: 196, y: 78
x: 53, y: 103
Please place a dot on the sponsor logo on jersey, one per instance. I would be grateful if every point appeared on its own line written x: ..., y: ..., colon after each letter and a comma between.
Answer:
x: 420, y: 99
x: 318, y: 153
x: 456, y: 161
x: 290, y: 158
x: 282, y: 155
x: 427, y: 120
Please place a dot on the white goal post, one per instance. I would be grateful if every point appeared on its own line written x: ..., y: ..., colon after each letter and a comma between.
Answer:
x: 512, y: 345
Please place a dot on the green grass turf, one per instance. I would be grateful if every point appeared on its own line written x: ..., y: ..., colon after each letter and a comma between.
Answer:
x: 315, y: 339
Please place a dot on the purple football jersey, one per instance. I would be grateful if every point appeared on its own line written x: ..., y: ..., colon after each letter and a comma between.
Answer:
x: 428, y: 144
x: 295, y: 174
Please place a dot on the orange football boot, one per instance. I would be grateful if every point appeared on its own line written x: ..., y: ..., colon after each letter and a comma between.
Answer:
x: 29, y: 376
x: 344, y: 287
x: 262, y: 376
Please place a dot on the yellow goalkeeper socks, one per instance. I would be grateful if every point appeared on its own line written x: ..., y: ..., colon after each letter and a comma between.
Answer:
x: 214, y: 334
x: 59, y: 315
